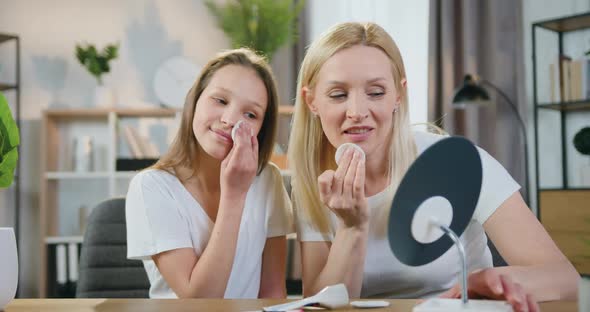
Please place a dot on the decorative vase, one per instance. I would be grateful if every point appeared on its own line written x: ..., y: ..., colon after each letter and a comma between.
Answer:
x: 8, y: 266
x: 104, y: 97
x: 584, y: 294
x: 585, y: 174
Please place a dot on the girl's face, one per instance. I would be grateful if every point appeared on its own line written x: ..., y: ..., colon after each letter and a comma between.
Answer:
x: 234, y: 93
x: 355, y: 98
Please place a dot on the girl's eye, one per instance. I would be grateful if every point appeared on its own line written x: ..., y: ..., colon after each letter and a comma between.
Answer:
x: 251, y: 115
x: 220, y: 101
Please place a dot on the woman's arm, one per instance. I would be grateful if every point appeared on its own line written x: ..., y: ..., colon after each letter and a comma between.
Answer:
x: 274, y: 262
x: 534, y: 260
x: 190, y: 276
x: 342, y: 261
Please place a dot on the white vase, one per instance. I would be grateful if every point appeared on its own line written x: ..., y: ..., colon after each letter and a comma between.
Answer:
x: 585, y: 174
x: 584, y: 294
x: 104, y: 97
x: 8, y: 266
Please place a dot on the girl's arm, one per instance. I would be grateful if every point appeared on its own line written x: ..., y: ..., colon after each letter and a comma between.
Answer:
x: 190, y: 276
x: 274, y: 262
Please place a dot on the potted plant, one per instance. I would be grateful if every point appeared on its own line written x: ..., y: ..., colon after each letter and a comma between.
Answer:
x: 97, y: 64
x: 582, y: 145
x: 261, y: 25
x: 9, y: 141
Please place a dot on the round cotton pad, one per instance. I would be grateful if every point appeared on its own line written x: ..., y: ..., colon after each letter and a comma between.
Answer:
x: 343, y: 147
x: 368, y: 304
x: 235, y: 128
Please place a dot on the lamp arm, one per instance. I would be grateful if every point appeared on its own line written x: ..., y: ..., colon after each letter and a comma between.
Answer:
x: 507, y: 99
x: 522, y: 128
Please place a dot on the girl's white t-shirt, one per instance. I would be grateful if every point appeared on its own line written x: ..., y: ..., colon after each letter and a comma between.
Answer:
x: 385, y: 276
x: 162, y: 215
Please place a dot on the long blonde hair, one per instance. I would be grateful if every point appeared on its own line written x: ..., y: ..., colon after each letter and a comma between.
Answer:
x: 185, y: 148
x: 310, y: 152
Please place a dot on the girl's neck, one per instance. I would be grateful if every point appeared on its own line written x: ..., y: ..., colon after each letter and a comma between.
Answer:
x: 207, y: 175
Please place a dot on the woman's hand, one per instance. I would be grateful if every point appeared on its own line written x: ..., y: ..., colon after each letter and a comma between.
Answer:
x: 489, y: 284
x: 239, y: 167
x: 343, y: 190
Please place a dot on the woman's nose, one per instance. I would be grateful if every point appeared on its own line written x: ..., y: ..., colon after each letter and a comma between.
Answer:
x: 357, y: 108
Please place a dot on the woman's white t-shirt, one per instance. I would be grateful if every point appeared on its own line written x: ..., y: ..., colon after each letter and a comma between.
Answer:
x: 385, y: 276
x: 162, y: 215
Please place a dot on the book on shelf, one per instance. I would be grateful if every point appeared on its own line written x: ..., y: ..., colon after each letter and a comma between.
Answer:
x: 569, y: 79
x: 140, y: 146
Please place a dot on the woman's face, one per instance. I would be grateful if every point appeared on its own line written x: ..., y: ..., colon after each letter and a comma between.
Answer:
x: 355, y: 98
x: 234, y: 93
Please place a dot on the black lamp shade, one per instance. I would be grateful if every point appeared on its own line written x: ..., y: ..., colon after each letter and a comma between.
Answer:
x: 470, y: 93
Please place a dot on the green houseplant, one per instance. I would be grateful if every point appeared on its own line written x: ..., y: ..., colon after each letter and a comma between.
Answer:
x: 97, y: 63
x: 262, y: 25
x: 9, y: 141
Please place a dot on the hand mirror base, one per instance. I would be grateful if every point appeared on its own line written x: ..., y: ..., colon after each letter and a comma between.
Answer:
x: 463, y: 304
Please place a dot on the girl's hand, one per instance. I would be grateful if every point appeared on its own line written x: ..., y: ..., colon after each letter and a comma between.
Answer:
x: 489, y: 284
x: 343, y: 190
x: 239, y: 167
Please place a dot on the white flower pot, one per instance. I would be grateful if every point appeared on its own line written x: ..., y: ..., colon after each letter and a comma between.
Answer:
x: 584, y: 294
x: 104, y: 97
x: 8, y: 266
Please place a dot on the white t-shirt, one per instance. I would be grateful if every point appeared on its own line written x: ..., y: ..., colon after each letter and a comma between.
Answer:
x: 162, y: 215
x: 386, y: 276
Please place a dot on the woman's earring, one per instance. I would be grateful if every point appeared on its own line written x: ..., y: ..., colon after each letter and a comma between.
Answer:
x: 395, y: 110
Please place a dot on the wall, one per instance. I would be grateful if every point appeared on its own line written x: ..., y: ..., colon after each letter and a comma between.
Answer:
x: 406, y: 22
x: 149, y: 32
x: 549, y: 128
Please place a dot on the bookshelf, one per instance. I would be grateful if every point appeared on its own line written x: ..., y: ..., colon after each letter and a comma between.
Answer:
x: 562, y: 205
x: 67, y: 195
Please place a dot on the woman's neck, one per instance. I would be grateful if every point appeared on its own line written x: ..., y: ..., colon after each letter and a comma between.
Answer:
x: 376, y: 173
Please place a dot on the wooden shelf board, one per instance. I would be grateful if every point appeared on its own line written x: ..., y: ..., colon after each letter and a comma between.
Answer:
x: 7, y: 86
x: 59, y: 175
x: 286, y: 109
x: 6, y: 37
x: 64, y: 239
x: 571, y: 189
x: 569, y: 23
x: 147, y: 112
x: 71, y: 113
x: 583, y: 105
x: 125, y: 174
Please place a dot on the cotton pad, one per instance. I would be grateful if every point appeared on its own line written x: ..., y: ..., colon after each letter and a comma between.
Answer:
x: 368, y: 304
x: 235, y: 128
x: 344, y: 147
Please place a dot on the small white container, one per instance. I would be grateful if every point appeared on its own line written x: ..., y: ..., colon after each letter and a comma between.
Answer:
x: 8, y: 266
x: 584, y: 294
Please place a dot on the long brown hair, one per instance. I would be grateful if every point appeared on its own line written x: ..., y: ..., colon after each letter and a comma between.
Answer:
x: 185, y: 148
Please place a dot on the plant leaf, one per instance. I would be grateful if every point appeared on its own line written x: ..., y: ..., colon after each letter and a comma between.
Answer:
x: 9, y: 140
x: 7, y: 167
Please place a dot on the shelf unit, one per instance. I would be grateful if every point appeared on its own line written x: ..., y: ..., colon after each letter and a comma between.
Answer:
x: 562, y: 210
x: 15, y: 107
x: 93, y: 186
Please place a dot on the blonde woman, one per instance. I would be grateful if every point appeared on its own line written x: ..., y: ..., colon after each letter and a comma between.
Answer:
x: 352, y: 88
x: 209, y: 219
